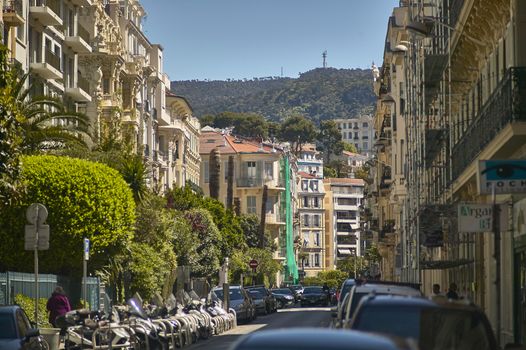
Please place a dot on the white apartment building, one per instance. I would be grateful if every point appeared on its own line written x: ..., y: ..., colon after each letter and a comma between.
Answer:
x: 311, y: 194
x: 310, y: 161
x: 47, y: 37
x: 343, y: 200
x: 359, y: 132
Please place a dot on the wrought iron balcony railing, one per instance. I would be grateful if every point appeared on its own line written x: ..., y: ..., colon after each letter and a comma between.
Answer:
x: 13, y: 6
x: 249, y: 182
x: 506, y: 105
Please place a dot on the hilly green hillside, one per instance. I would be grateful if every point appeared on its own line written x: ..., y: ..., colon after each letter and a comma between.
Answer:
x: 319, y: 94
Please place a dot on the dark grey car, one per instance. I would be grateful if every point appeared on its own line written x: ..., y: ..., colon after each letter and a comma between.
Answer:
x: 16, y: 331
x: 318, y: 338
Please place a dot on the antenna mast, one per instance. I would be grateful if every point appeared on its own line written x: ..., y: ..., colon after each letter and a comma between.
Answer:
x: 324, y: 55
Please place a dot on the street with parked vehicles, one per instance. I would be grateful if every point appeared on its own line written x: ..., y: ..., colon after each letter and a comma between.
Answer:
x: 367, y: 315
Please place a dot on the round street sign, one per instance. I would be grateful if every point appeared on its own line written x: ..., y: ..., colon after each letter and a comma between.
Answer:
x: 253, y: 263
x: 36, y: 214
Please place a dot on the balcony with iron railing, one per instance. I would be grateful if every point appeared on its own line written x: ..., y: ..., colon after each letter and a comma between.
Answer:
x: 505, y: 106
x: 12, y: 12
x: 249, y: 182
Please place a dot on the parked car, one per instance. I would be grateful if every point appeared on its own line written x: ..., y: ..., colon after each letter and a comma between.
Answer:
x: 17, y: 332
x: 344, y: 316
x: 297, y: 289
x: 314, y: 295
x: 284, y: 297
x: 240, y: 301
x: 434, y: 324
x: 319, y: 338
x: 259, y: 301
x: 270, y: 301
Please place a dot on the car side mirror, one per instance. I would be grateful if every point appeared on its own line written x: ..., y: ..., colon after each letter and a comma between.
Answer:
x: 31, y: 333
x: 514, y: 346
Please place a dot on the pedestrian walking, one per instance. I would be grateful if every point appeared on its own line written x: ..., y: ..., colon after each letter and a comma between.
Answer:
x: 452, y: 292
x: 57, y: 305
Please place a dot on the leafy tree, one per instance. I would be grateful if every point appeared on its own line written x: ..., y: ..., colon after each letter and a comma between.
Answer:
x: 215, y: 173
x: 362, y: 173
x: 349, y: 147
x: 353, y: 266
x: 329, y: 172
x: 330, y: 139
x: 10, y: 131
x: 297, y: 130
x: 185, y: 241
x: 252, y: 126
x: 266, y: 270
x: 208, y: 240
x: 84, y: 199
x: 340, y: 167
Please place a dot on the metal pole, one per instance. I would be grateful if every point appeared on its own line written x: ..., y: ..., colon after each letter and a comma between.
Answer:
x: 84, y: 278
x: 36, y: 267
x: 496, y: 240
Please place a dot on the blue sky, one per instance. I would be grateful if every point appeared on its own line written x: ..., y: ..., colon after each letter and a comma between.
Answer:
x: 220, y: 39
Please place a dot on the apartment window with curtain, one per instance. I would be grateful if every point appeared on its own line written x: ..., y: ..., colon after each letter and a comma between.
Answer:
x: 251, y: 205
x: 251, y: 170
x: 269, y: 170
x: 305, y: 185
x: 316, y: 260
x: 306, y: 220
x: 305, y: 202
x: 206, y: 171
x: 314, y: 185
x: 316, y: 220
x: 316, y: 239
x: 316, y: 202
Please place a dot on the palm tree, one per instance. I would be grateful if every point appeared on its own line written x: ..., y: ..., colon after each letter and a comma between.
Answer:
x: 45, y: 123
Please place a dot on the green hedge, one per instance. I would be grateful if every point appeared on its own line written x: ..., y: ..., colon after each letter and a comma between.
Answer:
x: 84, y: 199
x: 28, y: 304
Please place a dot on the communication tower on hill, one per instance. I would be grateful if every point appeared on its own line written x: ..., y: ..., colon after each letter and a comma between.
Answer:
x: 324, y: 55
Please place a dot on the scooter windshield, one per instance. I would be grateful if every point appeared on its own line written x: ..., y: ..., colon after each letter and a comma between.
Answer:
x: 136, y: 308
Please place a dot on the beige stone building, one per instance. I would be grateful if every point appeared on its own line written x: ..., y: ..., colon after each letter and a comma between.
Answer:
x: 256, y: 164
x: 454, y: 72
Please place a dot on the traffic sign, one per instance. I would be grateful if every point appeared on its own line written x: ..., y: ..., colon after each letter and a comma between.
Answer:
x: 30, y: 236
x: 86, y: 249
x: 36, y: 213
x: 253, y: 263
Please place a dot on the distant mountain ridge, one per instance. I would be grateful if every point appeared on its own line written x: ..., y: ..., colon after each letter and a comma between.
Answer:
x: 319, y: 94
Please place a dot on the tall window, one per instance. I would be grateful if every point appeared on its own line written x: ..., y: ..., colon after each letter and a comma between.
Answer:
x: 206, y: 171
x: 316, y: 260
x: 316, y: 202
x: 316, y: 220
x: 306, y: 221
x: 251, y: 205
x: 270, y: 204
x: 305, y: 185
x: 305, y: 202
x: 317, y: 239
x: 251, y: 170
x: 269, y: 170
x: 314, y: 185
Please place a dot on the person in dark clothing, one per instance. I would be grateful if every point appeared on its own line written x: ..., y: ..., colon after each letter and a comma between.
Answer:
x: 452, y: 292
x: 57, y: 305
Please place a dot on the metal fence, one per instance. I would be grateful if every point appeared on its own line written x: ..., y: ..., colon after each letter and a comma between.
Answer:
x: 14, y: 283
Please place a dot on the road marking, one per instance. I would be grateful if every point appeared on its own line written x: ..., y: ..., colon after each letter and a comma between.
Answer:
x: 299, y: 309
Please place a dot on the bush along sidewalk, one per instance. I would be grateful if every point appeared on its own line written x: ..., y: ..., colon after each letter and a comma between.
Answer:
x: 28, y: 304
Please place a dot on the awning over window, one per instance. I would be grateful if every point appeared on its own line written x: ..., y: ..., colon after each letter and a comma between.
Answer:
x: 344, y: 251
x: 443, y: 264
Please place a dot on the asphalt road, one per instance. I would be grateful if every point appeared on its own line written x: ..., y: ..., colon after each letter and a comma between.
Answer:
x: 286, y: 318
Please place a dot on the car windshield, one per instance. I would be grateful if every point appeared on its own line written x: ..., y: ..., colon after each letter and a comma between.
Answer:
x: 346, y: 288
x: 255, y: 294
x: 312, y: 290
x: 282, y: 291
x: 295, y: 287
x: 455, y: 329
x: 235, y: 294
x: 402, y: 321
x: 7, y: 327
x: 259, y: 289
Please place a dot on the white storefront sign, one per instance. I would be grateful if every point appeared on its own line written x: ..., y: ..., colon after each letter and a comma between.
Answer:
x: 474, y: 217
